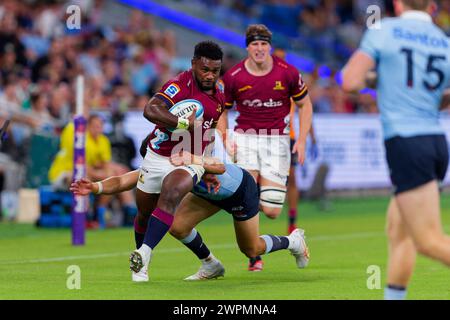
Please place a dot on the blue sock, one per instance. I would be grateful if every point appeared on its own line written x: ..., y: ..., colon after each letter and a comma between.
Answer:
x: 392, y: 292
x: 101, y: 217
x: 275, y: 243
x: 195, y: 243
x: 129, y: 213
x: 158, y: 225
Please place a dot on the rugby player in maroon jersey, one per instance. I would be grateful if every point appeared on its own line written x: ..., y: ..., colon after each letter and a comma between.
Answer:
x: 161, y: 185
x: 261, y: 87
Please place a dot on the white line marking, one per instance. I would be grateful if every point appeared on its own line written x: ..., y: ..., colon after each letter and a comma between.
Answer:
x: 182, y: 249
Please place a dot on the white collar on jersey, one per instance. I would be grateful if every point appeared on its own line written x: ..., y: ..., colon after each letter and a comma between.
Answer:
x: 417, y: 15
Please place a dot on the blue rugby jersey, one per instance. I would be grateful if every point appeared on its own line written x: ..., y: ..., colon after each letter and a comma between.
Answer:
x: 229, y: 183
x: 413, y: 66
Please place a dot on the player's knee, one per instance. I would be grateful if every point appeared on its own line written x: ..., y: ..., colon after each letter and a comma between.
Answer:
x: 271, y: 213
x: 171, y: 195
x: 392, y: 232
x: 177, y: 232
x: 271, y: 200
x: 427, y: 248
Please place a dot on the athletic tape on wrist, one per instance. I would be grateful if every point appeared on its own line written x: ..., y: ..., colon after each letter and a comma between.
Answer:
x: 182, y: 123
x: 100, y: 188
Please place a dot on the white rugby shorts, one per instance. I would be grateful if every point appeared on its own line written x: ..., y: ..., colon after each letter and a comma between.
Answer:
x: 270, y: 155
x: 155, y: 168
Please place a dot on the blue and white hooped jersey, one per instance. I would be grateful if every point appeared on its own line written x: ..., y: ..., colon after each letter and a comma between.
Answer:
x: 229, y: 183
x: 413, y: 66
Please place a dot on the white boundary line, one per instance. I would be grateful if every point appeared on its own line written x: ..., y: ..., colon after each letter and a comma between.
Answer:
x: 348, y: 236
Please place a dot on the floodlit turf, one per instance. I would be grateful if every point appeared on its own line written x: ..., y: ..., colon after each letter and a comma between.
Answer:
x: 343, y: 241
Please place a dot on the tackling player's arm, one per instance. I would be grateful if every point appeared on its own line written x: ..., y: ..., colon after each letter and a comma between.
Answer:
x: 157, y: 111
x: 210, y: 164
x: 111, y: 185
x: 357, y: 74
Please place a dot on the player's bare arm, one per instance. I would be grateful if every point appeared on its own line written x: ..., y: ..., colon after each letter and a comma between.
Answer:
x: 156, y: 111
x: 210, y: 164
x: 111, y: 185
x: 355, y: 72
x: 305, y: 120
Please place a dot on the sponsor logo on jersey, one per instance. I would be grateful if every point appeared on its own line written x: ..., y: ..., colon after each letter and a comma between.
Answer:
x: 282, y: 65
x: 278, y: 86
x: 172, y: 90
x: 258, y: 103
x: 236, y: 71
x: 208, y: 124
x: 220, y: 86
x: 245, y: 88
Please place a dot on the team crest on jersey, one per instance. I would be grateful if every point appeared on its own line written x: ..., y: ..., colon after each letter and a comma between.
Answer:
x: 172, y: 90
x: 278, y: 86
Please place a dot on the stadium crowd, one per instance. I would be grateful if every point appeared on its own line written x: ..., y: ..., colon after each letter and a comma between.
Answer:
x: 326, y: 31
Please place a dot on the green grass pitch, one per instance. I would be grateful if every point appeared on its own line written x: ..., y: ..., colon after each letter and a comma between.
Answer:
x: 343, y: 242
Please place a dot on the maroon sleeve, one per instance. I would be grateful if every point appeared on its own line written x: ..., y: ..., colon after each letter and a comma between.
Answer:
x: 297, y: 87
x: 173, y: 91
x: 228, y: 90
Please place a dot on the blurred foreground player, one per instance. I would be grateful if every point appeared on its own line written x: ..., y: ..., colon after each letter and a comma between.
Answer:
x: 412, y: 59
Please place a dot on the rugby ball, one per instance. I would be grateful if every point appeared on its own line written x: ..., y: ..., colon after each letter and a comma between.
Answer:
x: 184, y: 109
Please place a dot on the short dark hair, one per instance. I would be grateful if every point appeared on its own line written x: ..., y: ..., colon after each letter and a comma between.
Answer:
x: 208, y: 49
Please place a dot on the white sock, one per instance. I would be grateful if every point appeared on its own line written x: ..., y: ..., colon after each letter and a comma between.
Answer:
x: 145, y: 249
x: 208, y: 260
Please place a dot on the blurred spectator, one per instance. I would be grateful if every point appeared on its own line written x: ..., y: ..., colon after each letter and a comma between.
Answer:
x: 443, y: 16
x: 123, y: 148
x: 60, y: 107
x: 40, y: 115
x: 9, y: 38
x: 142, y: 73
x: 98, y: 165
x: 11, y: 108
